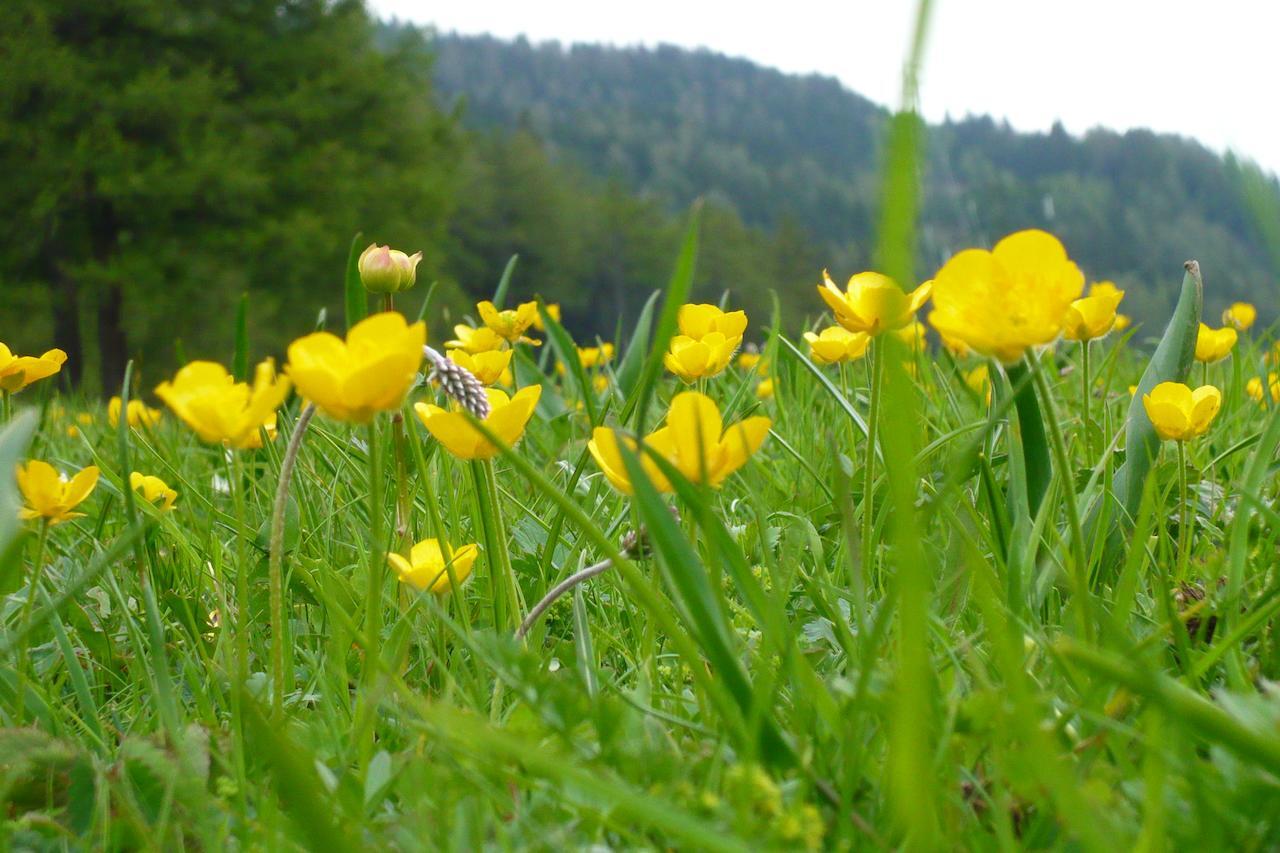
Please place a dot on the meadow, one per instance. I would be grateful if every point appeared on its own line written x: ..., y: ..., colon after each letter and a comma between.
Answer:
x: 962, y: 566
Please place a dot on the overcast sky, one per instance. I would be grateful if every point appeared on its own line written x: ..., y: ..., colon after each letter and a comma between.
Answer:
x: 1209, y: 70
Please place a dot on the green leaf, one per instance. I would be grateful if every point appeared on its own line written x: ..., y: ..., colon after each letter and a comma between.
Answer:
x: 357, y: 300
x: 1035, y: 444
x: 628, y: 372
x: 504, y: 283
x: 567, y: 351
x: 13, y: 447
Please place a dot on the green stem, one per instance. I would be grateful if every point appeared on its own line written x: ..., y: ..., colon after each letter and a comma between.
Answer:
x: 399, y: 445
x: 377, y: 548
x: 514, y: 599
x: 27, y: 607
x: 1085, y: 393
x: 1184, y: 518
x: 235, y: 473
x: 876, y: 366
x: 276, y: 562
x: 1059, y: 448
x: 6, y: 406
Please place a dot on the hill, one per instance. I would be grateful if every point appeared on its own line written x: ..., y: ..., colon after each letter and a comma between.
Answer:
x: 797, y: 158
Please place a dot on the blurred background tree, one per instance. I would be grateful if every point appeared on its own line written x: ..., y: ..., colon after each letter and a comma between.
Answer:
x: 161, y: 157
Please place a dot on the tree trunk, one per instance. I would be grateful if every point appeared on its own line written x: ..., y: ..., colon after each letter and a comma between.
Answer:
x: 113, y: 347
x: 66, y: 324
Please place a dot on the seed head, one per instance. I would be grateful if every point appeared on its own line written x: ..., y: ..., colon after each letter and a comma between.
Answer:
x: 459, y: 383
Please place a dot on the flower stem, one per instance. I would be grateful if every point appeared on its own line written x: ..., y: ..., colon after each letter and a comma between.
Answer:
x: 276, y: 561
x: 6, y: 407
x: 1085, y: 394
x: 399, y: 445
x: 1184, y: 518
x: 27, y: 606
x: 1059, y: 447
x: 876, y: 367
x: 377, y: 548
x: 557, y: 591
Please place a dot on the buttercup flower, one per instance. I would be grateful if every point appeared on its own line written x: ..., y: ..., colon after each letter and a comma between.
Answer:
x: 595, y: 356
x: 221, y: 410
x: 370, y: 372
x: 764, y: 390
x: 427, y: 569
x: 139, y: 414
x: 510, y: 324
x: 836, y: 344
x: 692, y: 358
x: 1178, y: 413
x: 488, y: 366
x: 153, y: 490
x: 1214, y: 344
x: 913, y: 335
x: 872, y: 302
x: 47, y: 495
x: 17, y: 372
x: 387, y: 270
x: 553, y: 309
x: 979, y: 381
x: 748, y: 358
x: 1239, y: 316
x: 698, y: 321
x: 473, y: 341
x: 1094, y: 315
x: 1005, y: 301
x: 694, y: 440
x: 1123, y: 321
x: 1254, y: 387
x: 507, y: 419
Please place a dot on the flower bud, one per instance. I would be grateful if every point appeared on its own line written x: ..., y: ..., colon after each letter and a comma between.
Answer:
x: 387, y: 270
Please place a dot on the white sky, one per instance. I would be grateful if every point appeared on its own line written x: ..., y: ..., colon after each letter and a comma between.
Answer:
x: 1208, y: 69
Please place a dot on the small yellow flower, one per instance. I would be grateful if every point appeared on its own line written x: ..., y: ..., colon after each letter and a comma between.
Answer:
x: 979, y: 381
x: 1214, y: 344
x: 387, y: 270
x: 1254, y: 387
x: 489, y: 367
x: 1123, y: 321
x: 1240, y: 316
x: 507, y: 419
x: 1094, y: 315
x: 428, y: 570
x: 221, y: 410
x: 475, y: 341
x: 913, y: 335
x: 1178, y: 413
x: 47, y: 495
x: 748, y: 359
x: 139, y: 415
x: 595, y: 356
x: 764, y: 390
x: 370, y: 372
x: 1003, y: 302
x: 698, y: 321
x: 872, y: 302
x: 509, y: 324
x: 153, y: 490
x: 836, y: 344
x: 600, y: 383
x: 553, y: 309
x: 694, y: 440
x: 84, y: 419
x: 17, y: 372
x: 693, y: 358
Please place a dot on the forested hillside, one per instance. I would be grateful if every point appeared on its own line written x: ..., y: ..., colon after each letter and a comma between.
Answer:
x: 798, y: 158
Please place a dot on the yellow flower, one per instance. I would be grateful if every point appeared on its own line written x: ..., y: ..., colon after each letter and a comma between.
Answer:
x: 49, y: 496
x: 1240, y: 315
x: 698, y: 321
x: 507, y: 419
x: 221, y: 410
x: 1106, y: 288
x: 553, y: 309
x: 1093, y: 315
x: 691, y: 358
x: 387, y: 270
x: 600, y: 383
x: 475, y: 341
x: 84, y: 419
x: 913, y: 335
x: 488, y: 366
x: 836, y: 344
x: 17, y: 372
x: 694, y: 440
x: 1002, y: 302
x: 979, y: 381
x: 510, y: 324
x: 1214, y: 344
x: 764, y: 390
x: 1178, y: 413
x: 153, y: 490
x: 958, y: 349
x: 139, y: 415
x: 1123, y: 321
x: 427, y: 569
x: 370, y: 372
x: 748, y: 359
x: 595, y: 356
x: 1254, y: 387
x: 872, y: 302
